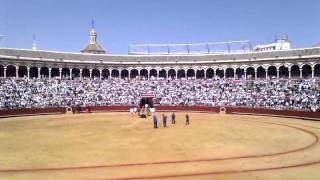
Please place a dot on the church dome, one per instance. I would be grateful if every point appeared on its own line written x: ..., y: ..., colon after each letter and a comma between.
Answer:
x: 93, y: 47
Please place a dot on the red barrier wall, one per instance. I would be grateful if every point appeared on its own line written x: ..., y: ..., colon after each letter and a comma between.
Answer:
x: 30, y: 111
x: 188, y: 108
x: 109, y: 108
x: 272, y: 112
x: 158, y: 108
x: 231, y: 110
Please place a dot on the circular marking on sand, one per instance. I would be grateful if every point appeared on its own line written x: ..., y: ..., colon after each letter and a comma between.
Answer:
x: 312, y: 134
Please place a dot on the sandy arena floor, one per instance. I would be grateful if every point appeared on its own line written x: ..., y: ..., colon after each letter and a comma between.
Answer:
x: 115, y: 146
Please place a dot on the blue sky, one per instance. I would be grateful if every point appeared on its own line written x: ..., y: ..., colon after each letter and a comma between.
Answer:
x: 64, y: 25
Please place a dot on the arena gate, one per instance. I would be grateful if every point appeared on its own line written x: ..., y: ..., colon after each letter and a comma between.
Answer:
x: 146, y: 99
x: 146, y: 102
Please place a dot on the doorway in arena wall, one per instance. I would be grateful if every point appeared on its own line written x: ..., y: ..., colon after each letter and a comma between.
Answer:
x: 146, y: 102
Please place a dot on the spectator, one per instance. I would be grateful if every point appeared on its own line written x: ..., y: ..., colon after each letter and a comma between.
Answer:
x: 275, y: 94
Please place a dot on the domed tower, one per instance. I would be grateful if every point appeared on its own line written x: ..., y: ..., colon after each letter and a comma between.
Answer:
x: 93, y: 47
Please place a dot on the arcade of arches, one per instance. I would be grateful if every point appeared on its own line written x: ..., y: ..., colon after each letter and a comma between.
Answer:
x: 294, y: 71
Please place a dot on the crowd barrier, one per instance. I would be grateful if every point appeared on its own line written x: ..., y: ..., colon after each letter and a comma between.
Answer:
x: 229, y: 110
x: 158, y: 108
x: 30, y: 111
x: 188, y: 108
x: 102, y: 108
x: 273, y: 112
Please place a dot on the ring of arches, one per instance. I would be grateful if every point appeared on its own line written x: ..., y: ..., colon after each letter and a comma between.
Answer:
x: 254, y: 71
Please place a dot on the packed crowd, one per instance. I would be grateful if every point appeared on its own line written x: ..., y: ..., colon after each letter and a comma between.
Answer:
x: 275, y: 94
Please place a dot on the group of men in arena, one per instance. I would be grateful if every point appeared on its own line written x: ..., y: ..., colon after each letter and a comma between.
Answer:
x: 164, y: 120
x: 303, y: 95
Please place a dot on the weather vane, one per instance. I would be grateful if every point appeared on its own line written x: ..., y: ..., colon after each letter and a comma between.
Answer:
x: 92, y: 24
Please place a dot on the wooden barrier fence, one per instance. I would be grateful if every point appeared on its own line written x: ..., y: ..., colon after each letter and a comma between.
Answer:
x: 229, y: 110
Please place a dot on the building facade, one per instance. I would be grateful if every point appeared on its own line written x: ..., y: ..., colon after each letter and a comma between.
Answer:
x: 296, y: 63
x: 93, y: 62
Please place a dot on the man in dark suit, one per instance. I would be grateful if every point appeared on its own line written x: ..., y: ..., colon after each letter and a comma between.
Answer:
x: 155, y: 122
x: 173, y: 118
x: 164, y: 120
x: 187, y: 119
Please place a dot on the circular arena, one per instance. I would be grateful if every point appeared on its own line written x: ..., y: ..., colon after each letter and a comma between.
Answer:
x: 248, y: 114
x: 115, y: 145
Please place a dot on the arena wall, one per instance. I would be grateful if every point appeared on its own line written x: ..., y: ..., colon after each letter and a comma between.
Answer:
x: 159, y: 108
x: 31, y: 111
x: 229, y: 110
x: 273, y: 112
x: 188, y: 108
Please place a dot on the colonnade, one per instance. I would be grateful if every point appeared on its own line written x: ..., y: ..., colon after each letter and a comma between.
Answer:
x: 196, y: 72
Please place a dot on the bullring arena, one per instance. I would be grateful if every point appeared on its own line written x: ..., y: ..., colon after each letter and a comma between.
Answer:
x: 254, y: 113
x: 112, y: 145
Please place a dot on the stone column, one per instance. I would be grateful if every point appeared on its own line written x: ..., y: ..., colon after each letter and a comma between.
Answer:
x: 234, y: 73
x: 278, y: 73
x: 139, y: 73
x: 120, y: 70
x: 100, y: 74
x: 195, y: 74
x: 266, y: 73
x: 289, y: 69
x: 90, y: 71
x: 185, y: 74
x: 312, y: 72
x: 158, y: 72
x: 5, y: 71
x: 214, y: 73
x: 255, y: 73
x: 205, y: 74
x: 176, y: 73
x: 50, y: 69
x: 17, y: 72
x: 39, y: 74
x: 70, y: 73
x: 300, y: 72
x: 80, y: 74
x: 60, y: 73
x: 224, y: 74
x: 110, y: 73
x: 28, y: 72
